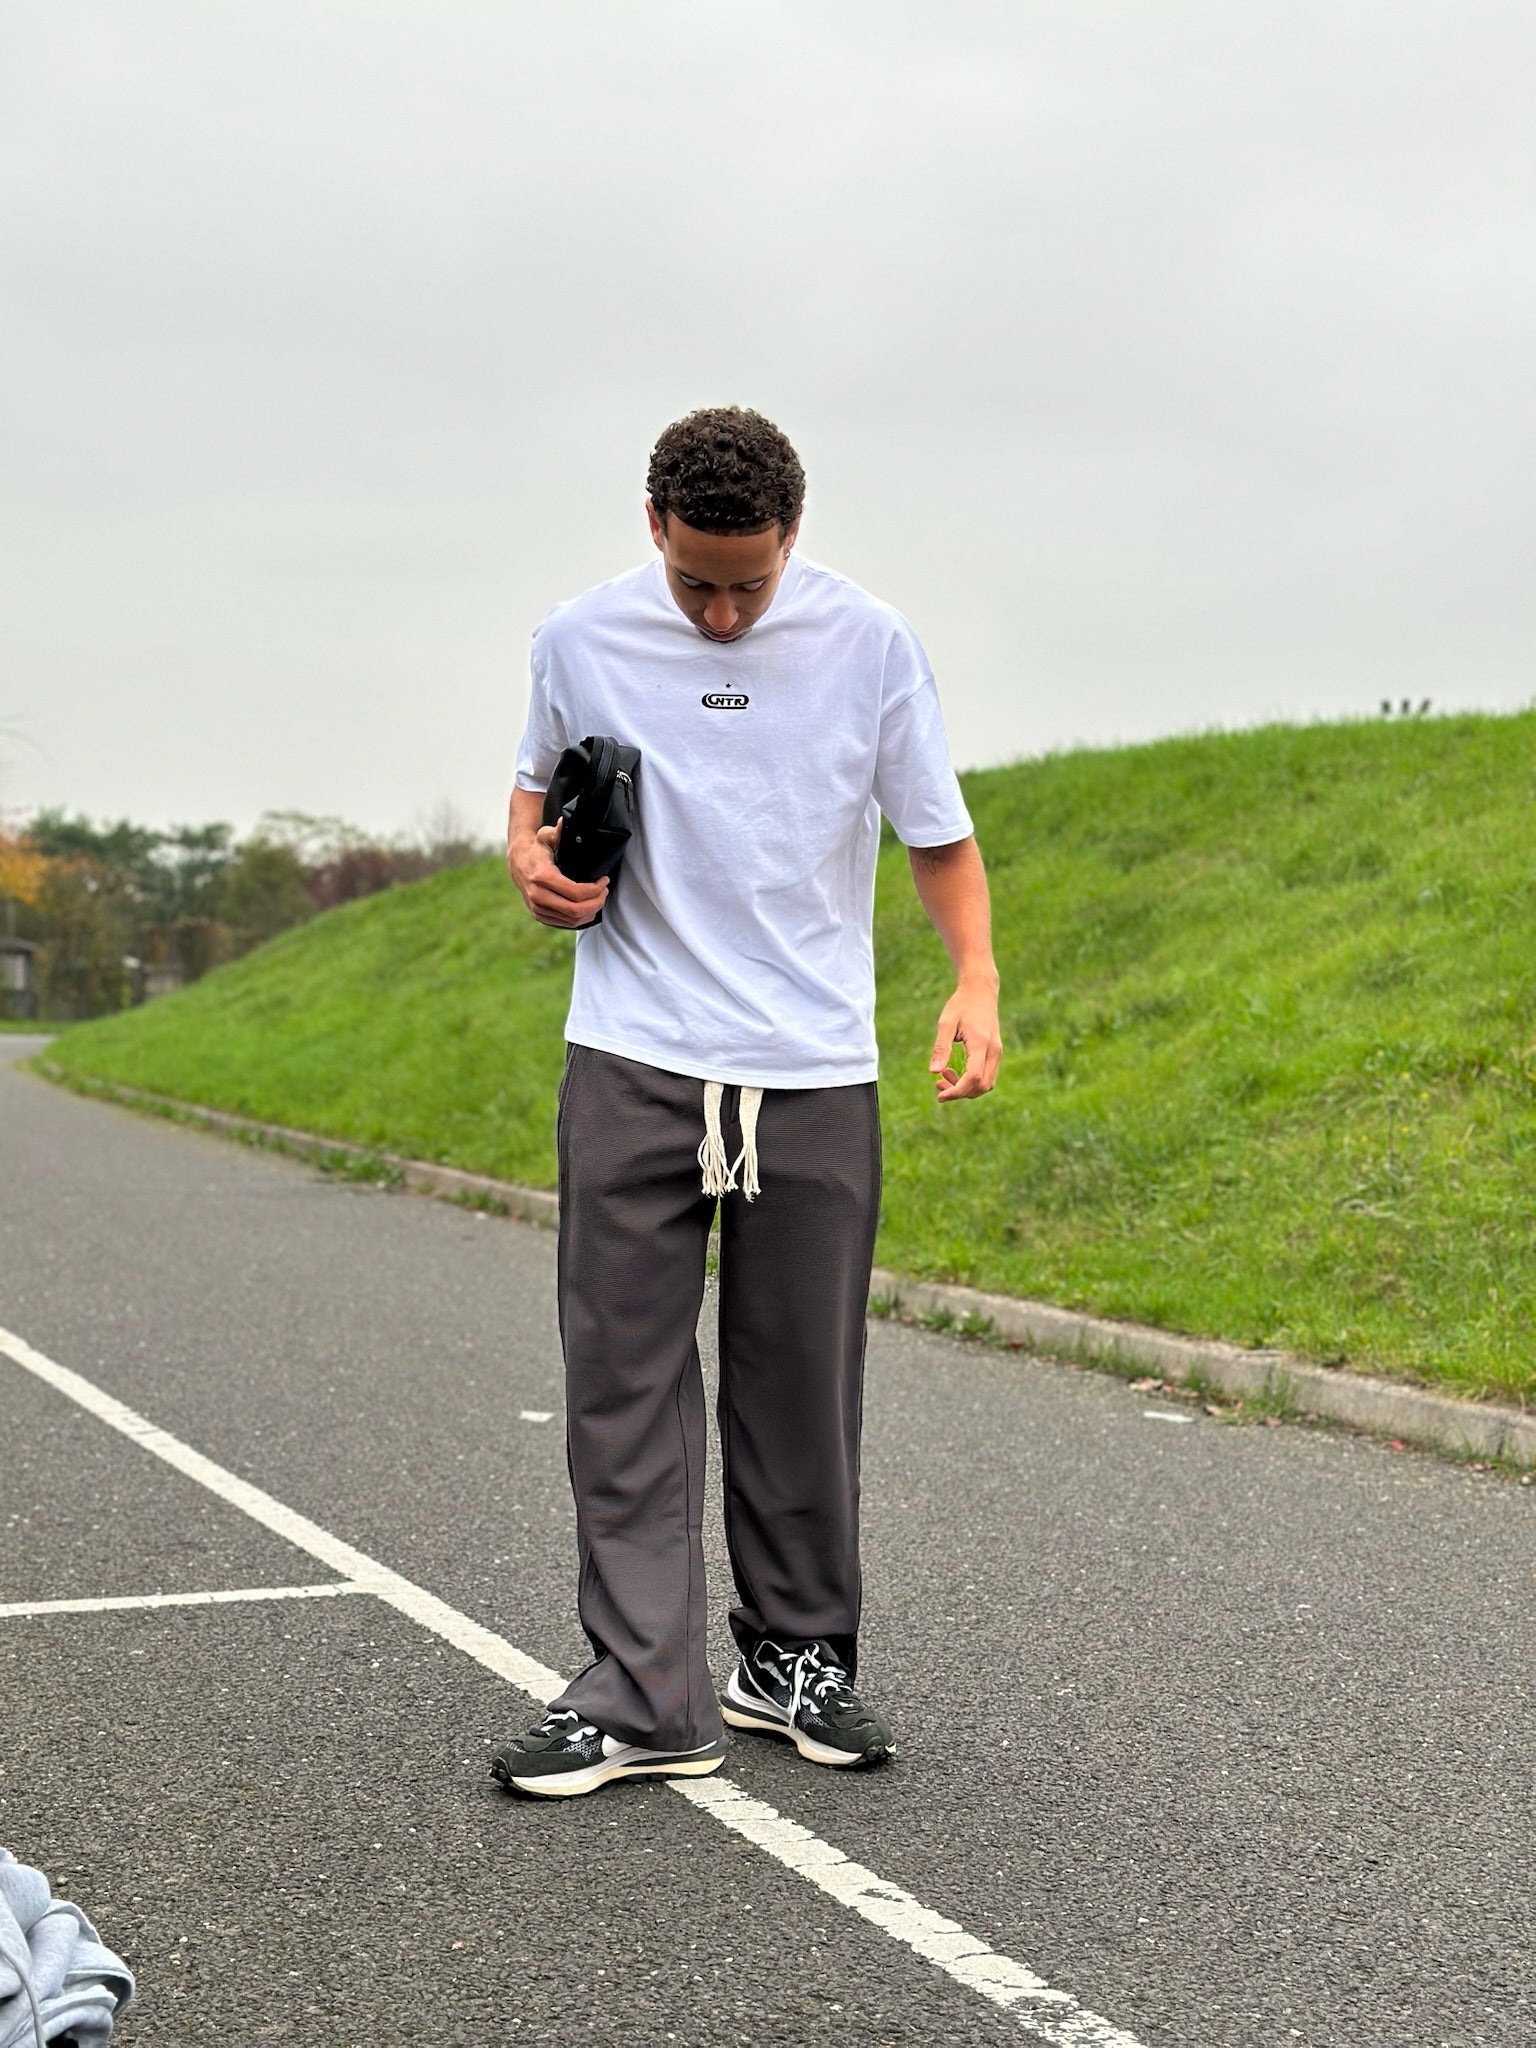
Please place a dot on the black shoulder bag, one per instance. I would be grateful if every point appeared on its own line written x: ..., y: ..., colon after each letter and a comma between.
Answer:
x: 593, y: 791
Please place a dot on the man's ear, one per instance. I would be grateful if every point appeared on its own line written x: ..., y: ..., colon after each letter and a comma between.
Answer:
x: 790, y: 537
x: 658, y: 530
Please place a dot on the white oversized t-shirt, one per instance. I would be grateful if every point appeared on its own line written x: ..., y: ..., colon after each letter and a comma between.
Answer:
x: 736, y: 943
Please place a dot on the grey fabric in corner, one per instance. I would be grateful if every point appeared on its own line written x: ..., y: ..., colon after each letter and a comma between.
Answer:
x: 56, y: 1978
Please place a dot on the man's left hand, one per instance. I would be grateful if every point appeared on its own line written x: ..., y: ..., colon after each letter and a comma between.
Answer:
x: 969, y: 1018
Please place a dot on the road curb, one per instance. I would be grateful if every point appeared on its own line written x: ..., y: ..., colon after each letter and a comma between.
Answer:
x: 1380, y: 1406
x: 421, y: 1176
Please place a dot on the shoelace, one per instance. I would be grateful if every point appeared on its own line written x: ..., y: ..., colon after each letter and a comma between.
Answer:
x: 817, y: 1680
x: 573, y: 1733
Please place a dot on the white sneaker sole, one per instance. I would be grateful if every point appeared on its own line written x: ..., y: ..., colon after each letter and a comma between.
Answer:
x: 624, y: 1763
x: 762, y: 1719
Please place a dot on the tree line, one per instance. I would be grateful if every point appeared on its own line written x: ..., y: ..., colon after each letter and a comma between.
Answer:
x: 108, y: 914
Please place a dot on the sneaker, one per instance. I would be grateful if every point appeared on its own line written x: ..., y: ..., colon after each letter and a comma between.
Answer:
x: 563, y: 1755
x: 807, y: 1697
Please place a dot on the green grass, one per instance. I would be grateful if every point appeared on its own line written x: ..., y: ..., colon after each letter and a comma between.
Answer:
x: 1269, y: 1002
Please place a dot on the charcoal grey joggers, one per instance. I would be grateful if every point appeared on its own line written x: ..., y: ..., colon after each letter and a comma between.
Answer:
x: 794, y: 1285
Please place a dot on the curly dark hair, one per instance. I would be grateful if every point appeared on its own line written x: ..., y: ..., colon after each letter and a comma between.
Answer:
x: 725, y: 470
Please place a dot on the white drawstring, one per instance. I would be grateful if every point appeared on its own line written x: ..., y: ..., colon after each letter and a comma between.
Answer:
x: 720, y: 1177
x: 751, y: 1103
x: 717, y: 1175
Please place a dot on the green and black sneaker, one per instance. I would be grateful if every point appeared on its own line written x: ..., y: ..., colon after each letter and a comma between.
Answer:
x: 806, y: 1697
x: 562, y: 1756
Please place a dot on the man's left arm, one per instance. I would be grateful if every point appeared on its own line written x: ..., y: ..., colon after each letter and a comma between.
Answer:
x: 952, y: 887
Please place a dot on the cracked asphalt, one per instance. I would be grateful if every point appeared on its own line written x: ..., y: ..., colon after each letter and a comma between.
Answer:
x: 1226, y: 1731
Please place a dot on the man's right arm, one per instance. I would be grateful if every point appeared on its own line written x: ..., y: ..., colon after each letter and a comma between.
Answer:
x: 553, y: 898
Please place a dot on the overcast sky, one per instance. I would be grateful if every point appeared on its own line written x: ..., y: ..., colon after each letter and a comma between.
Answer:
x: 1168, y: 365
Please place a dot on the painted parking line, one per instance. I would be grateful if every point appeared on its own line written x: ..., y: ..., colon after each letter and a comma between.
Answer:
x: 1048, y: 2015
x: 111, y: 1602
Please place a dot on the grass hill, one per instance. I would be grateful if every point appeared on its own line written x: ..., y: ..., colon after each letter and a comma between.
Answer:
x: 1269, y: 1009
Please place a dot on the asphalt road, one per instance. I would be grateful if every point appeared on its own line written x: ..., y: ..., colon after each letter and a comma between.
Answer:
x: 1225, y: 1731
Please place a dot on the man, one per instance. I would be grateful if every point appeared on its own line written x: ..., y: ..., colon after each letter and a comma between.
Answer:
x: 721, y: 1053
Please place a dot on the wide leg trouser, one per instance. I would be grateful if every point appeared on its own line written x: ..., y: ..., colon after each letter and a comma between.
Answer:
x: 794, y: 1284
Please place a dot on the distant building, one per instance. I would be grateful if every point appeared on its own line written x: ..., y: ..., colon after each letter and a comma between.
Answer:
x: 150, y: 978
x: 18, y: 976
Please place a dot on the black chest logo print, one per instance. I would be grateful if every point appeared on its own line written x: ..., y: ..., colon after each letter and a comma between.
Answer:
x: 725, y: 700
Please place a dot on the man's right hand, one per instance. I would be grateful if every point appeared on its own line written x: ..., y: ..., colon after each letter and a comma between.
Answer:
x: 553, y: 898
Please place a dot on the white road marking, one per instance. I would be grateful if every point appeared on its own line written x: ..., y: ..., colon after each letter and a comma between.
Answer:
x: 113, y: 1601
x: 1053, y: 2016
x: 1050, y: 2016
x: 366, y: 1572
x: 1163, y: 1415
x: 535, y: 1414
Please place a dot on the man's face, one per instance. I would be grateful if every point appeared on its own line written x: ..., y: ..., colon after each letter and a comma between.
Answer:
x: 722, y: 583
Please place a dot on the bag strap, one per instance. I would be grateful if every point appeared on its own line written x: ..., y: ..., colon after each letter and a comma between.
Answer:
x: 590, y: 803
x: 605, y: 763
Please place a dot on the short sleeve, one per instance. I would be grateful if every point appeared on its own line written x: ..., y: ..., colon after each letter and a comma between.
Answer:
x: 915, y: 784
x: 544, y: 736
